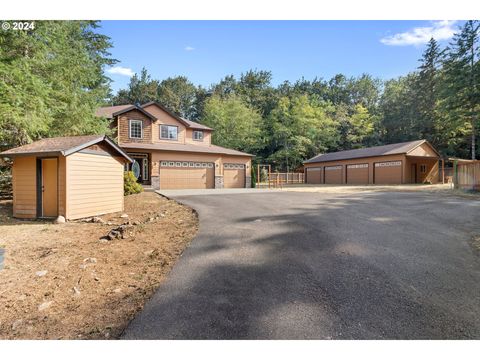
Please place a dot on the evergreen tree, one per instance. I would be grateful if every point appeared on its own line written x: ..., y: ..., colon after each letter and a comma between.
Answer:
x: 52, y: 80
x: 461, y: 90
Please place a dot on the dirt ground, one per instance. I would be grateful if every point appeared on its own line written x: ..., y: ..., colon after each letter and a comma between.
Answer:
x: 63, y: 282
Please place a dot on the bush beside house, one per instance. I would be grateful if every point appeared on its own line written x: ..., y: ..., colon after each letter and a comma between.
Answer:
x: 130, y: 184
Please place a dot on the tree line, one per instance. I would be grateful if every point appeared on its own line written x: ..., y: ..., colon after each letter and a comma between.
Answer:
x: 52, y: 79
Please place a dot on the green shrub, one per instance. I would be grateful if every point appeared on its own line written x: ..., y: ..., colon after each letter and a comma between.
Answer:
x: 130, y: 184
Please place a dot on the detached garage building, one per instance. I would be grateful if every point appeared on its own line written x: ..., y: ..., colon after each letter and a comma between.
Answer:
x: 403, y: 163
x: 74, y: 177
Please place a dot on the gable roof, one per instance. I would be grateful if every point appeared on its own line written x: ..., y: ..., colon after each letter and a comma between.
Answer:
x: 64, y: 145
x: 391, y: 149
x: 111, y: 111
x: 188, y: 123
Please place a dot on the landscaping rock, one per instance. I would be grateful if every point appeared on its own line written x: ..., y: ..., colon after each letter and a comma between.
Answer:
x: 118, y: 232
x: 76, y: 291
x: 124, y: 216
x: 59, y: 220
x: 90, y: 260
x: 98, y: 220
x: 45, y: 305
x: 41, y: 273
x: 16, y: 324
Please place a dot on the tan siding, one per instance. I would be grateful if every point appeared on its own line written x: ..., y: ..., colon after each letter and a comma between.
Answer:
x: 165, y: 118
x: 94, y: 185
x: 423, y: 150
x: 207, y: 137
x: 24, y: 187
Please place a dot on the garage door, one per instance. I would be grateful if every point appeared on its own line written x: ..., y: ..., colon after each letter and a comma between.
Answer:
x: 357, y: 174
x: 333, y: 174
x: 314, y: 175
x: 187, y: 175
x: 233, y: 176
x: 388, y: 172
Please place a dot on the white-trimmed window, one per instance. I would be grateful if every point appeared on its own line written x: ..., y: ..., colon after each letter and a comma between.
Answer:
x: 198, y: 135
x: 169, y: 132
x: 135, y: 129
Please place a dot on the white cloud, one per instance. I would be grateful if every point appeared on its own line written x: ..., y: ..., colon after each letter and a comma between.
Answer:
x: 189, y: 48
x: 120, y: 70
x: 440, y: 30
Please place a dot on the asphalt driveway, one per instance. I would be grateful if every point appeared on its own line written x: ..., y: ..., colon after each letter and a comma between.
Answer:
x: 292, y: 265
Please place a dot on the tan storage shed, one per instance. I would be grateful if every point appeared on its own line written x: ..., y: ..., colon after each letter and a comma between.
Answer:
x: 412, y: 162
x: 73, y: 177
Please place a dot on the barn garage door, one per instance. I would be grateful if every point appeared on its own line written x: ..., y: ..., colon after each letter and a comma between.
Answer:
x: 233, y: 175
x: 357, y: 174
x: 333, y: 174
x: 388, y: 172
x: 187, y: 175
x: 314, y: 175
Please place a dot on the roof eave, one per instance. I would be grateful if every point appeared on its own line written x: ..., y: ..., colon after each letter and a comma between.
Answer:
x: 134, y: 107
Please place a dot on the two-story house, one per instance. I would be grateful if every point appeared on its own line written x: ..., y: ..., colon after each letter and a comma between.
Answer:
x: 170, y: 152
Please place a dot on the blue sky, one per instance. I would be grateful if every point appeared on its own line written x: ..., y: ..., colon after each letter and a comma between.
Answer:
x: 206, y: 51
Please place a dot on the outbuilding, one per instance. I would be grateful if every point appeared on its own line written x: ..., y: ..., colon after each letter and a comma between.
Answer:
x: 73, y: 177
x: 409, y: 162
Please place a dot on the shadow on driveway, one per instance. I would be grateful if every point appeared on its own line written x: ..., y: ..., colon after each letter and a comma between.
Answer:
x: 320, y: 266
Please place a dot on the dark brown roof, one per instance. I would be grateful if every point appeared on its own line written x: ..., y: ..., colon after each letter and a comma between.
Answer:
x: 188, y: 123
x: 208, y: 149
x: 391, y: 149
x: 108, y: 111
x: 112, y: 111
x: 65, y: 145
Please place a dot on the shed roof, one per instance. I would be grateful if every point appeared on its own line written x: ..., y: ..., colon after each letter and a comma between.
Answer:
x: 391, y: 149
x: 208, y: 149
x: 64, y: 145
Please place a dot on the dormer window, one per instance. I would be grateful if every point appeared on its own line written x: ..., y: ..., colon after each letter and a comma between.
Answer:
x: 168, y: 132
x: 135, y: 129
x: 198, y: 135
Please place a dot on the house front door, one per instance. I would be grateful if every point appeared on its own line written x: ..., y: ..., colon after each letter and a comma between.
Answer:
x: 140, y: 167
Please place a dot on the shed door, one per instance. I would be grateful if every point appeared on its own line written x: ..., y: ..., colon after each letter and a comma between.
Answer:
x: 49, y: 188
x: 388, y: 172
x: 186, y: 175
x: 357, y: 174
x: 333, y: 174
x: 233, y: 176
x: 314, y: 175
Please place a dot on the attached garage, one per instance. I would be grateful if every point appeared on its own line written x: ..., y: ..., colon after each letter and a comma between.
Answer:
x: 187, y: 175
x: 388, y: 172
x: 357, y: 174
x: 407, y: 162
x: 233, y: 176
x: 333, y: 174
x: 313, y: 175
x: 73, y: 177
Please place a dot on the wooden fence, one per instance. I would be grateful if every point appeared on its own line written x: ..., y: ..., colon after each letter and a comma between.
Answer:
x: 276, y: 179
x: 467, y: 175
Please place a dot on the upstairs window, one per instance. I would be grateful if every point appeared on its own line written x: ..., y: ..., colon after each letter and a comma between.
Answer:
x: 198, y: 135
x: 136, y: 129
x: 168, y: 132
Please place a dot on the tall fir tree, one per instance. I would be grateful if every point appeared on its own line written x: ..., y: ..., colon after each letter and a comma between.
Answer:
x: 461, y: 90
